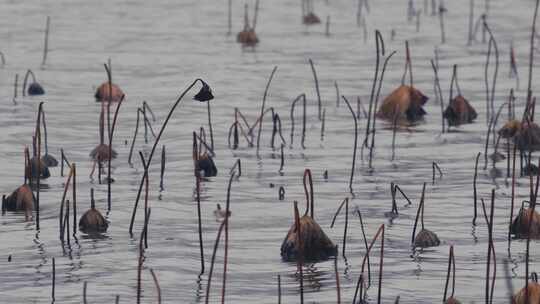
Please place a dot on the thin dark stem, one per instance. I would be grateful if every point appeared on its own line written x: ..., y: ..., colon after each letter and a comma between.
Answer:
x: 162, y: 171
x: 216, y: 244
x: 512, y: 200
x: 439, y: 92
x: 111, y: 134
x: 475, y: 192
x: 420, y: 209
x: 319, y: 103
x: 379, y: 44
x: 442, y: 10
x: 156, y: 282
x: 84, y: 292
x: 373, y: 131
x: 198, y: 190
x: 226, y: 249
x: 262, y: 107
x: 338, y: 289
x: 471, y: 22
x: 365, y: 243
x: 531, y: 52
x: 46, y: 43
x: 210, y: 126
x: 355, y: 143
x: 53, y: 279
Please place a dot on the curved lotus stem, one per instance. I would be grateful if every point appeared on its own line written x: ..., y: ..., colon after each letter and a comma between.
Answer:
x: 156, y: 142
x: 309, y: 194
x: 29, y: 72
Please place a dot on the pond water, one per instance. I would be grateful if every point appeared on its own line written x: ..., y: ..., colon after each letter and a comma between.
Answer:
x: 157, y: 48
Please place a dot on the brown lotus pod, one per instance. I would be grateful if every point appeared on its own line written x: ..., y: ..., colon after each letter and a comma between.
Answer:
x: 526, y: 135
x: 22, y: 199
x: 426, y: 238
x: 533, y: 293
x: 459, y: 111
x: 452, y: 300
x: 310, y: 19
x: 520, y: 225
x: 36, y: 167
x: 101, y: 153
x: 405, y: 102
x: 206, y: 164
x: 316, y: 245
x: 247, y: 37
x: 93, y: 222
x: 102, y: 93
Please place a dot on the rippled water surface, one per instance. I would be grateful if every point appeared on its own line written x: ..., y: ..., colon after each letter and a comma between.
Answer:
x: 157, y: 48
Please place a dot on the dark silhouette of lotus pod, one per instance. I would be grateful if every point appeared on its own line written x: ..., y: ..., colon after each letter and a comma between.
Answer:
x: 405, y: 102
x: 205, y: 93
x: 207, y: 165
x: 452, y: 300
x: 426, y: 238
x: 310, y: 19
x: 247, y: 37
x: 526, y: 135
x: 101, y: 153
x: 316, y: 245
x: 93, y: 222
x: 102, y: 93
x: 459, y: 111
x: 533, y: 294
x: 520, y: 225
x: 49, y: 160
x: 35, y: 89
x: 22, y: 199
x: 33, y: 170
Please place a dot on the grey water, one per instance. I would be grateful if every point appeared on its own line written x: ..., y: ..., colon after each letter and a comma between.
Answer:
x: 157, y: 48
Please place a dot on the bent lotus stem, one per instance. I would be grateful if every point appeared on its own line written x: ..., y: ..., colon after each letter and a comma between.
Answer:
x: 111, y: 134
x: 28, y: 73
x: 491, y: 250
x: 365, y: 243
x: 372, y: 146
x: 319, y: 103
x: 309, y: 194
x: 293, y: 105
x: 198, y: 192
x: 300, y: 250
x: 62, y: 202
x: 452, y: 267
x: 419, y: 214
x: 379, y: 44
x: 226, y: 249
x: 380, y: 232
x: 156, y: 142
x: 262, y: 106
x: 346, y: 203
x: 38, y: 158
x: 211, y: 271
